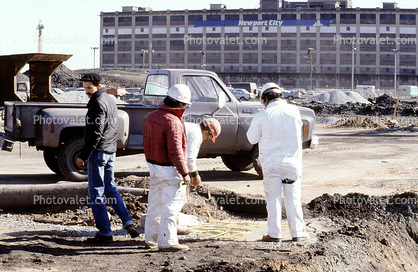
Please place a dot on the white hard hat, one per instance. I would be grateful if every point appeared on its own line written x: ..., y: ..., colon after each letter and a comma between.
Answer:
x: 214, y: 126
x: 271, y: 87
x: 180, y: 92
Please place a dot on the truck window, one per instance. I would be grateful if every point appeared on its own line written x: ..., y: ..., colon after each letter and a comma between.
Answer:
x: 156, y: 85
x: 202, y: 88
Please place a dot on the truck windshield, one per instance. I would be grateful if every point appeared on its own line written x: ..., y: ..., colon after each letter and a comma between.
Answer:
x: 156, y: 85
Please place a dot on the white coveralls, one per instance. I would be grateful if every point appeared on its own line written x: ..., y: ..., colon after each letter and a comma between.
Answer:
x: 165, y: 200
x: 277, y: 130
x: 168, y: 181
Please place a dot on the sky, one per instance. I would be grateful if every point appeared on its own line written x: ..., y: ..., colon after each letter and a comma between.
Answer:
x: 73, y: 26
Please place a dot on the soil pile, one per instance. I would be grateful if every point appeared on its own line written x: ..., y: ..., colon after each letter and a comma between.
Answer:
x: 382, y: 105
x: 379, y: 233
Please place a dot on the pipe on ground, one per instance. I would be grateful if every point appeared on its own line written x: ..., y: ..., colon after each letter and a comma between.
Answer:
x: 65, y: 193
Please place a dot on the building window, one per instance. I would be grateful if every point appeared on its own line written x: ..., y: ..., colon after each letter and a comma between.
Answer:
x: 249, y: 67
x: 159, y: 42
x: 367, y: 69
x: 269, y: 6
x: 213, y: 28
x: 251, y: 28
x: 348, y: 28
x: 308, y: 28
x: 106, y: 30
x: 142, y: 29
x: 267, y: 28
x: 308, y: 42
x: 288, y: 41
x: 177, y: 29
x: 213, y: 67
x: 387, y: 69
x: 387, y: 28
x: 329, y: 68
x: 232, y: 67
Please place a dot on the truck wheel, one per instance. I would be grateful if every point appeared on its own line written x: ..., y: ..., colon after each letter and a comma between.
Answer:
x: 51, y: 159
x: 256, y: 163
x: 242, y: 99
x: 290, y: 98
x: 67, y: 160
x: 238, y: 162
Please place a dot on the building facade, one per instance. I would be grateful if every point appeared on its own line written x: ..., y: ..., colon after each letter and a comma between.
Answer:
x: 297, y: 44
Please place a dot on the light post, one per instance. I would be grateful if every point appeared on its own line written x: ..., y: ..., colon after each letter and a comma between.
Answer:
x: 201, y: 59
x: 352, y: 66
x: 394, y: 52
x: 150, y: 57
x: 310, y: 54
x: 94, y: 56
x: 143, y: 57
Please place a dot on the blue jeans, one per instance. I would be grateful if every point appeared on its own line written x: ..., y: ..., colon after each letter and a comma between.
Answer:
x: 102, y: 183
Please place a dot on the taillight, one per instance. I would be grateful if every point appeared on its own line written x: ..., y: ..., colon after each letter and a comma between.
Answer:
x: 52, y: 127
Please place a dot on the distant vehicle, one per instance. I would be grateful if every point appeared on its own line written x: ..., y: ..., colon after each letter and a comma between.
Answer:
x: 134, y: 95
x: 291, y: 95
x: 249, y: 86
x: 408, y: 90
x: 22, y: 91
x: 310, y: 92
x: 366, y: 90
x: 73, y: 89
x: 242, y: 94
x: 301, y: 90
x: 56, y: 91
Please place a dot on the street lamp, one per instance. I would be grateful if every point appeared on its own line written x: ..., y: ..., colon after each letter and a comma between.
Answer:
x: 201, y: 59
x: 310, y: 54
x: 394, y: 52
x: 143, y: 57
x: 150, y: 57
x: 94, y: 56
x: 352, y: 67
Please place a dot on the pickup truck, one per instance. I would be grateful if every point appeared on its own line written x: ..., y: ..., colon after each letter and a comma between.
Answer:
x: 57, y: 129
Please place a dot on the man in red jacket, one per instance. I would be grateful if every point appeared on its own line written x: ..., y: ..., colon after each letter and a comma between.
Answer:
x: 165, y: 148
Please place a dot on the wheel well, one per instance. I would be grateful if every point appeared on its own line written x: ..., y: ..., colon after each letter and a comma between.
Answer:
x: 68, y: 133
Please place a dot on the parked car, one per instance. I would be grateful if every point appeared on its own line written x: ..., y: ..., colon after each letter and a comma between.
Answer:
x: 56, y: 91
x: 242, y: 94
x: 134, y: 95
x: 291, y: 95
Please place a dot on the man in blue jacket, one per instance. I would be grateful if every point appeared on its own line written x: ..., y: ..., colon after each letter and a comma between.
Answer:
x: 99, y: 152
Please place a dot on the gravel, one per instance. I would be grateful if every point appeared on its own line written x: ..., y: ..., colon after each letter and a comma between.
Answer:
x: 337, y: 97
x: 79, y: 97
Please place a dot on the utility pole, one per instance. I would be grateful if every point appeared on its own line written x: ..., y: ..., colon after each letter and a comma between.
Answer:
x: 394, y: 52
x: 40, y: 38
x: 143, y: 57
x: 310, y: 54
x: 94, y: 56
x: 352, y: 67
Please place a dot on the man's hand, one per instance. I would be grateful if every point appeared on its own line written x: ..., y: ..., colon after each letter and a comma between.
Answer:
x: 186, y: 180
x: 80, y: 162
x: 196, y: 180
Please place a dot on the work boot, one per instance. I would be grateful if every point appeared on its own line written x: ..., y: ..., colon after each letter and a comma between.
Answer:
x: 175, y: 248
x: 132, y: 231
x: 267, y: 238
x: 100, y: 239
x: 301, y: 238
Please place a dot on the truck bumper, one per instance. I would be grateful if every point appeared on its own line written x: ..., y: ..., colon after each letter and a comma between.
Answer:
x: 6, y: 142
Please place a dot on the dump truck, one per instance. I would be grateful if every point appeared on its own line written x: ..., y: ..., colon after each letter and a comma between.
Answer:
x: 57, y: 129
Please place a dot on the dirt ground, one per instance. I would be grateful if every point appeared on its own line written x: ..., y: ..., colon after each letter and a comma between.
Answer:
x: 360, y: 205
x: 359, y: 192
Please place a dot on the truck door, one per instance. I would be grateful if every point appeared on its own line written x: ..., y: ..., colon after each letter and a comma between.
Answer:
x: 205, y: 92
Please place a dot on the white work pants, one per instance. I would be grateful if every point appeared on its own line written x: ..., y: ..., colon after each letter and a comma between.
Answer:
x: 292, y: 196
x: 165, y: 200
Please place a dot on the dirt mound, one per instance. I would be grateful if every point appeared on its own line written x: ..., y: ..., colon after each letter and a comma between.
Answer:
x: 382, y: 105
x: 359, y: 122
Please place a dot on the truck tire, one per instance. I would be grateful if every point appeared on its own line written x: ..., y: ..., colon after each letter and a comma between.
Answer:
x: 242, y: 99
x: 238, y: 162
x: 256, y: 163
x: 67, y: 160
x: 51, y: 159
x: 290, y: 98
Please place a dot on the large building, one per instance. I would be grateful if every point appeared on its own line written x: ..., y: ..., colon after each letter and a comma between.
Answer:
x: 297, y: 44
